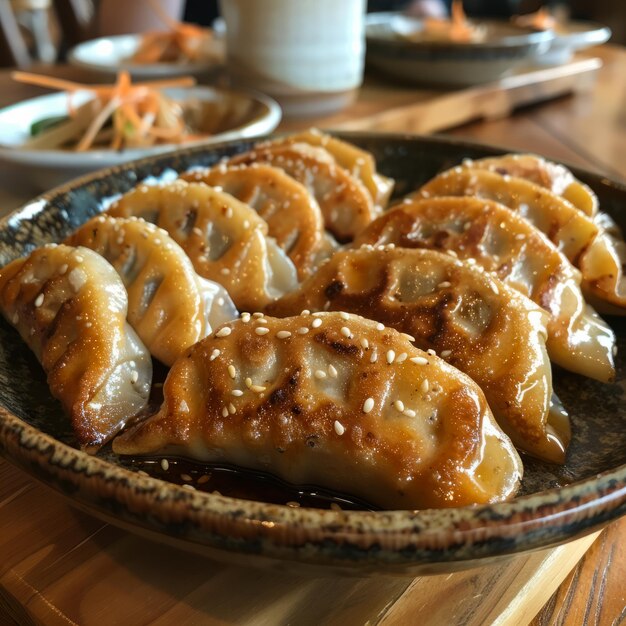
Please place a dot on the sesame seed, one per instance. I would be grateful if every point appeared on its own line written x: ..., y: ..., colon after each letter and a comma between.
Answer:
x: 368, y: 405
x: 316, y: 314
x: 401, y: 357
x: 398, y: 405
x: 78, y: 258
x: 225, y: 412
x: 453, y: 253
x: 407, y: 336
x: 223, y: 332
x: 245, y: 317
x: 39, y: 300
x: 232, y: 372
x: 445, y: 353
x: 231, y: 408
x: 186, y: 477
x: 374, y: 356
x: 189, y: 487
x: 409, y: 412
x: 317, y: 322
x: 431, y: 352
x: 203, y: 479
x: 16, y: 318
x: 134, y: 377
x: 165, y: 465
x: 520, y: 236
x: 424, y: 386
x: 237, y: 393
x: 258, y: 388
x: 391, y: 356
x: 305, y: 312
x: 335, y: 507
x: 303, y: 330
x: 183, y: 406
x: 343, y: 315
x: 419, y: 360
x: 214, y: 354
x: 444, y: 284
x: 380, y: 326
x: 197, y: 231
x: 365, y: 344
x: 283, y: 334
x: 292, y: 504
x: 320, y: 374
x: 495, y: 289
x: 261, y: 320
x: 63, y: 268
x: 257, y: 314
x: 339, y: 427
x: 225, y: 271
x: 229, y: 212
x: 261, y: 330
x: 88, y: 325
x: 345, y: 331
x: 332, y: 371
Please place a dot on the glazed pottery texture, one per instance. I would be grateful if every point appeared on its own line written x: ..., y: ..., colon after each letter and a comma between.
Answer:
x: 556, y: 504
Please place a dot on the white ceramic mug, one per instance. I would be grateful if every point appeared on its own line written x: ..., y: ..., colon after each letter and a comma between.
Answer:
x: 308, y: 54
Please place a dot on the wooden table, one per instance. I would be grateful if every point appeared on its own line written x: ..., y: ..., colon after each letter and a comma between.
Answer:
x: 48, y: 551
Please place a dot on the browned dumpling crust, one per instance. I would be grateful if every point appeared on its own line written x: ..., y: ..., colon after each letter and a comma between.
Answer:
x: 500, y: 241
x: 224, y: 238
x: 292, y: 214
x: 594, y: 245
x: 69, y: 306
x: 470, y: 318
x: 359, y: 163
x: 335, y: 401
x: 553, y: 176
x: 346, y: 204
x: 568, y: 229
x: 169, y: 305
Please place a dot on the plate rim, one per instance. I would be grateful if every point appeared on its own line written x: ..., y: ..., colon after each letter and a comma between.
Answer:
x: 382, y: 540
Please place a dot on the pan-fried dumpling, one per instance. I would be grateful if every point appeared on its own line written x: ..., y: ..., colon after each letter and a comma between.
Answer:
x: 316, y: 401
x: 224, y: 238
x: 553, y: 176
x: 293, y: 216
x: 358, y: 162
x: 595, y: 246
x: 470, y: 318
x: 169, y: 305
x: 346, y: 204
x: 568, y: 229
x: 69, y: 306
x: 505, y: 243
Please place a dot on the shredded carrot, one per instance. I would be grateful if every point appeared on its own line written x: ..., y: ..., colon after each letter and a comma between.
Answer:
x: 135, y: 108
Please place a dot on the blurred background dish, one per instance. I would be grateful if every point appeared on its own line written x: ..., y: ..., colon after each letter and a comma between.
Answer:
x: 573, y: 36
x: 226, y: 115
x: 110, y: 54
x: 396, y: 48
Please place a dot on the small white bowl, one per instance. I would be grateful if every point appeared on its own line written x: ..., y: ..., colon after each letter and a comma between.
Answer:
x: 111, y: 54
x: 246, y: 114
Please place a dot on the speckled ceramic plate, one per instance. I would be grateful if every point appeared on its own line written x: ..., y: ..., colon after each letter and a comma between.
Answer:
x: 556, y: 504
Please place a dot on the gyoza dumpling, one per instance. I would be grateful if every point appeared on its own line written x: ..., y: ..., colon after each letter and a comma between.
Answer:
x: 502, y: 242
x: 553, y: 176
x: 69, y: 306
x: 305, y: 399
x: 594, y: 246
x: 358, y: 162
x: 568, y: 229
x: 346, y: 204
x: 224, y: 238
x: 472, y: 320
x: 169, y: 305
x: 293, y: 216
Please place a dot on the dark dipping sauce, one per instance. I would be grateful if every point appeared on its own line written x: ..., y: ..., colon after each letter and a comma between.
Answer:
x: 240, y: 483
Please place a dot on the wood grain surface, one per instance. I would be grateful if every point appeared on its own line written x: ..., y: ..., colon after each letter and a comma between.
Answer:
x: 60, y: 566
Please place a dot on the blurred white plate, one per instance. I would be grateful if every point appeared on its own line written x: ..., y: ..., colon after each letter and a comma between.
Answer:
x: 242, y: 115
x: 111, y: 54
x: 571, y: 37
